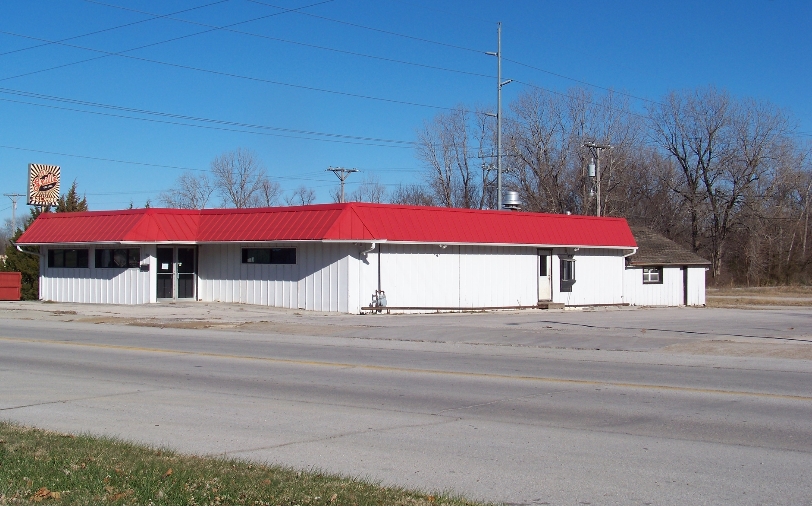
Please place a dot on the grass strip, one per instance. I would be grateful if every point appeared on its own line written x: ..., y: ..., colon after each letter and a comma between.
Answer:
x: 47, y: 468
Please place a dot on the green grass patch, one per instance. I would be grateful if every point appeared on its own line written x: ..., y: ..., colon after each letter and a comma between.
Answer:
x: 48, y: 468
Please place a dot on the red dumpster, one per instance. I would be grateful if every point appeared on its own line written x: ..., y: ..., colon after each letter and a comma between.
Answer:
x: 10, y: 284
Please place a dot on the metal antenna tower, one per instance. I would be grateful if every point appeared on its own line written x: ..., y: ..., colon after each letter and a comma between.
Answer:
x: 14, y: 197
x: 499, y: 85
x: 342, y: 174
x: 595, y: 149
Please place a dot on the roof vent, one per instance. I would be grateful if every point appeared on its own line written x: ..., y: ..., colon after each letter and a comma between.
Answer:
x: 511, y: 201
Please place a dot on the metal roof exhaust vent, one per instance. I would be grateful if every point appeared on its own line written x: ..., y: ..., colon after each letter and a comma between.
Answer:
x: 511, y: 201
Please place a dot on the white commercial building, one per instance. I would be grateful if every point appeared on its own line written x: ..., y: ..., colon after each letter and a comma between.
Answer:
x: 350, y: 258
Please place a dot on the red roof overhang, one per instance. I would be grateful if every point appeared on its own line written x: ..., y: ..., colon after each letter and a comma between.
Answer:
x: 348, y: 222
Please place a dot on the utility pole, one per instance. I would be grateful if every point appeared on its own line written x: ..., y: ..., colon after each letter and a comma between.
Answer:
x: 14, y: 197
x: 499, y: 85
x: 595, y: 149
x: 342, y: 174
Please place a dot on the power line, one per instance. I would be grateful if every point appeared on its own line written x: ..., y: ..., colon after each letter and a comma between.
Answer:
x: 154, y: 17
x: 453, y: 13
x: 215, y: 128
x: 340, y: 137
x: 209, y: 71
x: 119, y: 161
x: 564, y: 94
x: 580, y: 81
x: 101, y: 158
x: 387, y: 32
x: 475, y: 51
x: 304, y: 44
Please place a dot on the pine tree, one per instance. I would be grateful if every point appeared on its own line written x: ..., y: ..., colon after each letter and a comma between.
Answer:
x: 70, y: 202
x: 26, y: 264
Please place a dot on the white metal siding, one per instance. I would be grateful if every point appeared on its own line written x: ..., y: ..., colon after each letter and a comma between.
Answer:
x: 92, y: 285
x: 426, y: 275
x: 598, y: 277
x: 318, y: 281
x: 669, y: 293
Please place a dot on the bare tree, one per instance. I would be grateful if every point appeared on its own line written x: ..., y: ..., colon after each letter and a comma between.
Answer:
x: 239, y: 177
x: 456, y: 148
x: 691, y: 127
x: 370, y: 190
x: 724, y: 148
x: 412, y: 194
x: 540, y: 146
x: 269, y: 192
x: 301, y: 196
x: 190, y: 191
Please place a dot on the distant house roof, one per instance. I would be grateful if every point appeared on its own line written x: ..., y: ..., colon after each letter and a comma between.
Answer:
x: 334, y: 222
x: 654, y: 249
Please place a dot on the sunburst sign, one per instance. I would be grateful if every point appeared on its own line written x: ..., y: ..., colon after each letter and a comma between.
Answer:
x: 43, y: 184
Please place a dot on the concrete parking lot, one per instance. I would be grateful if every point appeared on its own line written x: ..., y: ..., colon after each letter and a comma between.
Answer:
x: 606, y: 406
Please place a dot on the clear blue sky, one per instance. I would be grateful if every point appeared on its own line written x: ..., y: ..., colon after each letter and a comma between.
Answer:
x: 753, y: 48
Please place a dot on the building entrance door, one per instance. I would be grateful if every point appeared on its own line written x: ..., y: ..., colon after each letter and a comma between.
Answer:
x: 545, y: 275
x: 177, y: 273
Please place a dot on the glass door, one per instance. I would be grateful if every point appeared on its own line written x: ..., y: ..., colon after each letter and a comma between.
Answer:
x: 177, y: 273
x: 186, y: 272
x: 166, y: 270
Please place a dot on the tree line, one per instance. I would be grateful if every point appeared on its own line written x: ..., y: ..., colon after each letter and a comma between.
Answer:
x: 728, y: 178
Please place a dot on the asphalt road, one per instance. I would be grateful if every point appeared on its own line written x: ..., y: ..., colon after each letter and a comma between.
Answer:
x: 612, y: 407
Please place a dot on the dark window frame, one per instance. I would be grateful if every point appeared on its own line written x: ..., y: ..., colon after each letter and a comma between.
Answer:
x: 566, y: 268
x: 647, y: 271
x: 132, y: 255
x: 58, y: 258
x: 269, y: 256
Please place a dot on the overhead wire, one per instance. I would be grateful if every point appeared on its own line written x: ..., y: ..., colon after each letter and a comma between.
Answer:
x: 304, y: 44
x: 209, y: 71
x: 463, y: 48
x: 387, y: 32
x: 302, y: 176
x: 339, y: 137
x: 95, y: 32
x: 582, y: 82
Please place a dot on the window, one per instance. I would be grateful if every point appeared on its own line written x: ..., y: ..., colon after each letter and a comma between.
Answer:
x: 567, y: 274
x: 118, y: 258
x: 652, y: 275
x: 269, y: 256
x: 68, y: 258
x: 543, y: 265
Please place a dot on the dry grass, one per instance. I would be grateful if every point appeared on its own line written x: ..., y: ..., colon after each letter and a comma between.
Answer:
x: 45, y: 468
x: 745, y: 302
x: 762, y: 291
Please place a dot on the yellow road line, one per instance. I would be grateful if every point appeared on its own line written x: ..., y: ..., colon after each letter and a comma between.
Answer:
x: 407, y: 370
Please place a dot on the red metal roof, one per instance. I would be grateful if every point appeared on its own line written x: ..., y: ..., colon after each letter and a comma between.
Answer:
x: 333, y: 222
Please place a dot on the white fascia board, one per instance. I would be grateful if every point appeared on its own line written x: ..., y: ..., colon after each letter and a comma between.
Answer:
x: 438, y: 243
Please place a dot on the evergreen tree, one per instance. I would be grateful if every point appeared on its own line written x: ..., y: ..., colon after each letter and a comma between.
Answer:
x: 26, y: 264
x: 70, y: 202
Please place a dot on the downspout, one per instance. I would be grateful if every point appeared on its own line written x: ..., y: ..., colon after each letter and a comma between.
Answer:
x: 20, y: 249
x: 365, y: 252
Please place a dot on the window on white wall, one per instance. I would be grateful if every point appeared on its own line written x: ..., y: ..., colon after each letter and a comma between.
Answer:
x: 118, y: 258
x: 652, y: 275
x: 269, y: 256
x: 567, y: 274
x: 68, y: 258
